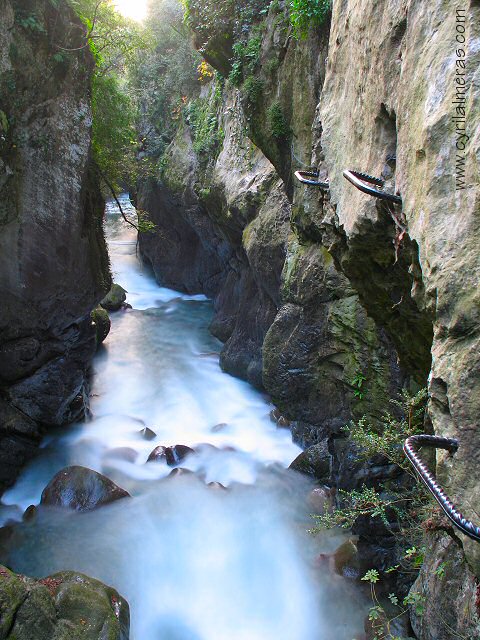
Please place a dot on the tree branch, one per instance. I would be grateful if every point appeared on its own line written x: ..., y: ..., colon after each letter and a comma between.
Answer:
x: 112, y: 191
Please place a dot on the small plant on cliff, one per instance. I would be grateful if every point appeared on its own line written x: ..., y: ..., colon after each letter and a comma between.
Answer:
x: 405, y: 504
x: 357, y: 383
x: 245, y: 58
x: 277, y: 123
x: 305, y: 14
x: 201, y: 115
x: 401, y: 504
x: 381, y: 620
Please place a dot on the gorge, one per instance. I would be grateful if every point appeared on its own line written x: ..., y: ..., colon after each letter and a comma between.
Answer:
x: 322, y: 306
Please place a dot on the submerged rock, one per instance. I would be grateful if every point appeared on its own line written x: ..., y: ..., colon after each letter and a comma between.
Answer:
x: 147, y: 434
x: 221, y: 426
x: 179, y: 471
x: 63, y: 606
x: 122, y: 453
x: 314, y: 461
x: 114, y: 299
x: 321, y: 500
x: 102, y: 323
x: 81, y: 489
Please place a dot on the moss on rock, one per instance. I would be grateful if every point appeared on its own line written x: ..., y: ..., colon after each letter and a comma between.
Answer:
x: 64, y: 606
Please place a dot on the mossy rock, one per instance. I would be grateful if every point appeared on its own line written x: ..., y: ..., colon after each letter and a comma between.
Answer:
x: 114, y: 298
x: 102, y: 323
x: 64, y: 606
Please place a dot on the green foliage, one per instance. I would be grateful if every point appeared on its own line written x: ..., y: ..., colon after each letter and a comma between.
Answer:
x: 305, y: 14
x: 381, y: 620
x: 388, y: 438
x: 114, y: 136
x: 406, y: 504
x: 277, y: 123
x: 144, y: 224
x: 253, y: 88
x: 201, y: 115
x: 357, y: 383
x: 4, y: 124
x: 245, y: 58
x: 115, y: 43
x: 164, y: 77
x: 30, y: 21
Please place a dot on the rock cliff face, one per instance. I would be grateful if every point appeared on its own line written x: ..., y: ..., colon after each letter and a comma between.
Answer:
x: 53, y: 260
x: 313, y: 288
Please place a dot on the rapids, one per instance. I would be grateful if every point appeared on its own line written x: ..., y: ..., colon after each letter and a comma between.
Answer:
x: 194, y: 562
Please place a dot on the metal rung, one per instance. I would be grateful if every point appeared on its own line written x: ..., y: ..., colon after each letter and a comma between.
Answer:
x: 305, y: 177
x: 362, y: 180
x: 450, y: 444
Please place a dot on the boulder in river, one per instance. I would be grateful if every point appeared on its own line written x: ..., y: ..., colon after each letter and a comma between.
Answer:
x: 101, y: 320
x: 314, y: 461
x: 171, y: 455
x: 63, y: 606
x: 81, y: 489
x: 114, y: 299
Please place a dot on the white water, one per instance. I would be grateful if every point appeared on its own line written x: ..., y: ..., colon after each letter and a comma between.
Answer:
x: 194, y: 563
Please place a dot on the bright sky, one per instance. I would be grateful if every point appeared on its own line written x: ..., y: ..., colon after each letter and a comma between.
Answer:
x: 135, y: 9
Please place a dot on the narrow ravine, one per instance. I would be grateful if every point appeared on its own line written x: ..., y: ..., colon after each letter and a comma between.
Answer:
x: 195, y: 561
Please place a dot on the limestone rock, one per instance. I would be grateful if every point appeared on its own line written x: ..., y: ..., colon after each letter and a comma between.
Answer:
x: 53, y: 260
x: 450, y: 588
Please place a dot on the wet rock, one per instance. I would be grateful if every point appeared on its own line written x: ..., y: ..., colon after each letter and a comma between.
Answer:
x: 63, y: 606
x: 171, y: 455
x: 157, y: 455
x: 221, y: 426
x: 347, y: 561
x: 180, y: 471
x: 81, y: 489
x: 279, y: 419
x: 177, y: 454
x: 147, y: 434
x: 216, y: 486
x: 114, y: 299
x: 29, y: 513
x: 321, y: 500
x: 314, y: 461
x: 102, y: 323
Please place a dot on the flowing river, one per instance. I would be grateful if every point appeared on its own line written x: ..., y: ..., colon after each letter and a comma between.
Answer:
x: 194, y: 561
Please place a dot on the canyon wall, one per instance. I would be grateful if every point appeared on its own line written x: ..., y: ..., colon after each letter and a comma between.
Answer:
x: 53, y: 259
x: 313, y: 288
